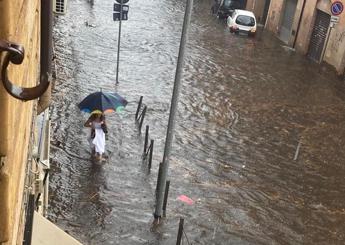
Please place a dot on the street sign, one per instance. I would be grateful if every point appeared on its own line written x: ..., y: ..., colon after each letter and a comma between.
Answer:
x: 120, y: 13
x: 335, y: 19
x: 337, y: 8
x: 117, y: 16
x: 123, y: 1
x: 117, y: 8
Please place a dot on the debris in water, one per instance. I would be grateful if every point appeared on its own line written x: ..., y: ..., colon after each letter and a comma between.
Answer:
x: 297, y: 151
x: 185, y: 199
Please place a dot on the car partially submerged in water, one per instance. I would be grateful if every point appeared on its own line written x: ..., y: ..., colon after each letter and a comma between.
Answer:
x: 242, y: 21
x: 225, y: 8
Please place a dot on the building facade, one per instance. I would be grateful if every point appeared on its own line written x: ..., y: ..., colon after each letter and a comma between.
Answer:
x: 25, y: 79
x: 19, y: 23
x: 308, y: 26
x: 260, y: 9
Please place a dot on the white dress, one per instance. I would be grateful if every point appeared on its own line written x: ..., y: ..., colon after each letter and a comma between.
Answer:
x: 98, y: 142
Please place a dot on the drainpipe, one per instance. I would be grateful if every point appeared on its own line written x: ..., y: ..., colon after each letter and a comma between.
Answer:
x: 46, y: 52
x: 299, y: 24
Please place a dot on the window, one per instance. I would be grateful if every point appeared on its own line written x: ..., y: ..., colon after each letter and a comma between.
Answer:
x: 244, y: 20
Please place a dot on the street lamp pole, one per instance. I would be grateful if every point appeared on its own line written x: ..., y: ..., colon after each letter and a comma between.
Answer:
x: 173, y: 109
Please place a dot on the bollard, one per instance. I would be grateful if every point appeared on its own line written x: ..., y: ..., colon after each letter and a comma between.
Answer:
x: 138, y: 108
x: 159, y: 177
x: 166, y: 193
x: 146, y: 140
x: 142, y: 115
x: 150, y: 157
x: 180, y: 232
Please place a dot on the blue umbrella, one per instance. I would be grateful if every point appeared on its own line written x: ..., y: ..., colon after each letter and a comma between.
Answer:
x: 102, y: 102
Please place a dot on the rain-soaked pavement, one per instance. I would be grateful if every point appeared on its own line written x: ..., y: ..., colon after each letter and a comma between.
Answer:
x: 245, y: 105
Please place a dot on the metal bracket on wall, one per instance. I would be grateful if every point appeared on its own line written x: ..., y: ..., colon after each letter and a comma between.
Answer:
x: 2, y: 162
x: 15, y: 54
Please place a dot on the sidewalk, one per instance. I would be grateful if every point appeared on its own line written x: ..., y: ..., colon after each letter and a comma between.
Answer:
x: 46, y: 233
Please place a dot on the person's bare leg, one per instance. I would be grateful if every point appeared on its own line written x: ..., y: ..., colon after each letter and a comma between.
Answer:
x: 98, y: 156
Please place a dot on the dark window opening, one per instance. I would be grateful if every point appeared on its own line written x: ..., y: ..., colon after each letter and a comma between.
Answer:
x: 244, y: 20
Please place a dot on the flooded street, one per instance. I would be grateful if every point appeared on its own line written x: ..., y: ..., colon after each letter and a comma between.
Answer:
x: 245, y: 105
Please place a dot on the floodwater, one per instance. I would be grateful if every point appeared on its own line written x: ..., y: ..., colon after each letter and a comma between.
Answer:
x: 244, y: 107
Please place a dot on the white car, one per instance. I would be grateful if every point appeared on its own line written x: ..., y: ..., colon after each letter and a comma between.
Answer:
x: 242, y: 21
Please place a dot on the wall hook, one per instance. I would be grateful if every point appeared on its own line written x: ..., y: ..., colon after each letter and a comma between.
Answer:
x: 15, y: 54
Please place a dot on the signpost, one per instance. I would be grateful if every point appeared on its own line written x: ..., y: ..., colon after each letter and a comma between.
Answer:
x: 120, y: 13
x: 337, y: 8
x: 334, y: 20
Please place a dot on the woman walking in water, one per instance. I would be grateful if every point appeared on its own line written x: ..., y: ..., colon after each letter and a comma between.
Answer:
x: 97, y: 137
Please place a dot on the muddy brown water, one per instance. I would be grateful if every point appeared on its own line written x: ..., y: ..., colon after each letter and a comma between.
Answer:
x: 245, y: 104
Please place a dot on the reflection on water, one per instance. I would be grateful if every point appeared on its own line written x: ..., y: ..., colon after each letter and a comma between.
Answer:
x: 245, y: 105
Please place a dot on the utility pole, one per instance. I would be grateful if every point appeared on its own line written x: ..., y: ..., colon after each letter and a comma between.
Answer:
x: 173, y: 109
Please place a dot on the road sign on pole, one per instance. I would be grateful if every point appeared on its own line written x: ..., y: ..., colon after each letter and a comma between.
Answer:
x: 117, y: 8
x: 117, y: 16
x: 337, y: 8
x: 120, y: 13
x: 334, y: 20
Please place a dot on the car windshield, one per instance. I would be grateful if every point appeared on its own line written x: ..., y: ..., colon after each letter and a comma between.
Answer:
x: 245, y: 20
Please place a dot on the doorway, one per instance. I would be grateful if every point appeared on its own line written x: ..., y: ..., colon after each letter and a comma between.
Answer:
x: 287, y: 21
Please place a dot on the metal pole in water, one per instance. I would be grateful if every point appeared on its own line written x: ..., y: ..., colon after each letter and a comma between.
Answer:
x: 173, y: 109
x: 297, y: 151
x: 151, y: 154
x: 167, y: 184
x: 139, y: 107
x: 180, y: 232
x: 118, y: 46
x: 146, y: 139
